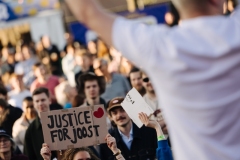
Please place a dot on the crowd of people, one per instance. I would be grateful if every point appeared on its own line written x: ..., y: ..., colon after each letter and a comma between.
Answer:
x: 37, y: 78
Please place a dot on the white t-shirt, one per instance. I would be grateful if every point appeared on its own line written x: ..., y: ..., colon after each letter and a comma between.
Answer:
x: 195, y: 69
x: 16, y: 98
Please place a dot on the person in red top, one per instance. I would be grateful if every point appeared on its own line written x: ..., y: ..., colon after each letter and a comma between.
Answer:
x: 44, y: 79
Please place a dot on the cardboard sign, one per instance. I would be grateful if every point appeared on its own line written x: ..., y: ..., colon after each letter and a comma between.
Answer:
x: 134, y: 104
x: 76, y: 127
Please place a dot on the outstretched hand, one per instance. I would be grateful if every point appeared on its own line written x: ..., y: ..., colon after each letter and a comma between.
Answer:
x: 45, y: 152
x: 148, y: 123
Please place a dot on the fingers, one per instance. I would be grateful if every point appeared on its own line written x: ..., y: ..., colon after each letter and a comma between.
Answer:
x: 45, y: 145
x: 107, y: 136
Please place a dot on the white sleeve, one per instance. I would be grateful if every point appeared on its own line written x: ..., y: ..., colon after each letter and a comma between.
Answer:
x: 236, y: 12
x: 138, y: 42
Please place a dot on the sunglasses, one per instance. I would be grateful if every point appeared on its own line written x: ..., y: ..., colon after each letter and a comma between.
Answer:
x: 146, y: 79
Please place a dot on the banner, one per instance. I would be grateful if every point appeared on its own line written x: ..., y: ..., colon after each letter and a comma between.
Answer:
x: 73, y: 128
x: 10, y: 10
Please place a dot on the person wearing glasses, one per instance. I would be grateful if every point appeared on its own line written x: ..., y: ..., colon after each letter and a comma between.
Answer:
x: 21, y: 125
x: 151, y: 99
x: 7, y: 148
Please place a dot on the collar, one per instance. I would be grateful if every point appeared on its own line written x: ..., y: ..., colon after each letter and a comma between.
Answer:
x: 100, y: 100
x: 131, y: 131
x: 135, y: 133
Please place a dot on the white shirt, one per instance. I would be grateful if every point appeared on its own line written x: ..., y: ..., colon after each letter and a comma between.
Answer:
x: 195, y: 69
x: 19, y: 130
x: 127, y: 140
x: 16, y: 98
x: 70, y: 69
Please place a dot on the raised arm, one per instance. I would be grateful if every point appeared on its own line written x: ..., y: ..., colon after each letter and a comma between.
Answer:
x: 90, y: 13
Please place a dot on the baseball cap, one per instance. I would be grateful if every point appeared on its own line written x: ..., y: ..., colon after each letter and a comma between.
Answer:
x: 115, y: 102
x: 4, y: 133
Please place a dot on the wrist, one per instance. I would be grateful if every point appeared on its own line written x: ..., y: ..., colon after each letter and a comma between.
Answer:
x: 115, y: 150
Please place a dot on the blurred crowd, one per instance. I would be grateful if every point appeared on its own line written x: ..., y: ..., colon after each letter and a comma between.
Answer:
x: 78, y: 75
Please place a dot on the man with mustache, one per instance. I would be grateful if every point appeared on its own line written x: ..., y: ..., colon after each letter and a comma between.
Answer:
x: 134, y: 143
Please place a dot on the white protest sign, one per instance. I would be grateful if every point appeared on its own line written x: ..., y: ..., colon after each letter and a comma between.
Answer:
x: 75, y: 127
x: 134, y: 104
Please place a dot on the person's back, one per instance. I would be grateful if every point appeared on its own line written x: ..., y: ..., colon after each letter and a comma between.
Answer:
x: 198, y: 82
x: 195, y: 69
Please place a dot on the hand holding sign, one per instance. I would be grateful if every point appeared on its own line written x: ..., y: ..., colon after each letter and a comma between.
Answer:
x: 45, y: 152
x: 134, y: 104
x: 76, y: 127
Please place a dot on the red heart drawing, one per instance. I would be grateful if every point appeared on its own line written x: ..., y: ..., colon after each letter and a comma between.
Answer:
x: 99, y: 113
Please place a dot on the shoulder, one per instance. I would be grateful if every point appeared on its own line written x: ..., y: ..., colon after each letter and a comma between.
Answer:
x: 15, y: 110
x: 32, y: 125
x: 18, y: 122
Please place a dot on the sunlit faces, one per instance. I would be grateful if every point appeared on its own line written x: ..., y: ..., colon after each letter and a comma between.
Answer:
x: 41, y: 103
x: 82, y: 155
x: 83, y: 61
x: 5, y: 144
x: 16, y: 81
x: 40, y: 71
x: 136, y: 80
x: 119, y: 117
x: 3, y: 97
x: 147, y: 83
x: 100, y: 67
x: 28, y: 107
x: 91, y: 89
x: 26, y: 52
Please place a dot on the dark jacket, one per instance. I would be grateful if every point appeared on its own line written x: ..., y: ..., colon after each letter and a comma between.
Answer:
x: 19, y: 157
x: 143, y: 146
x: 34, y: 140
x: 13, y: 113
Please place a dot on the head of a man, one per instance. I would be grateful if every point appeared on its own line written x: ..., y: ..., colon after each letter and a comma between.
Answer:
x: 16, y: 81
x: 6, y: 143
x: 83, y: 58
x: 135, y: 76
x: 28, y: 107
x: 45, y: 41
x: 26, y: 52
x: 117, y: 114
x: 40, y: 70
x: 100, y: 66
x: 147, y: 84
x: 90, y: 85
x: 195, y: 8
x: 41, y: 100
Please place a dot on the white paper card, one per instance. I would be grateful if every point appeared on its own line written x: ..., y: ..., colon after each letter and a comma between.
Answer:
x: 134, y: 104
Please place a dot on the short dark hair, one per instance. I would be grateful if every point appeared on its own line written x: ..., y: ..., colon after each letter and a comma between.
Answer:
x: 3, y: 90
x: 3, y: 103
x: 40, y: 91
x: 36, y: 65
x: 27, y: 99
x: 91, y: 77
x: 133, y: 70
